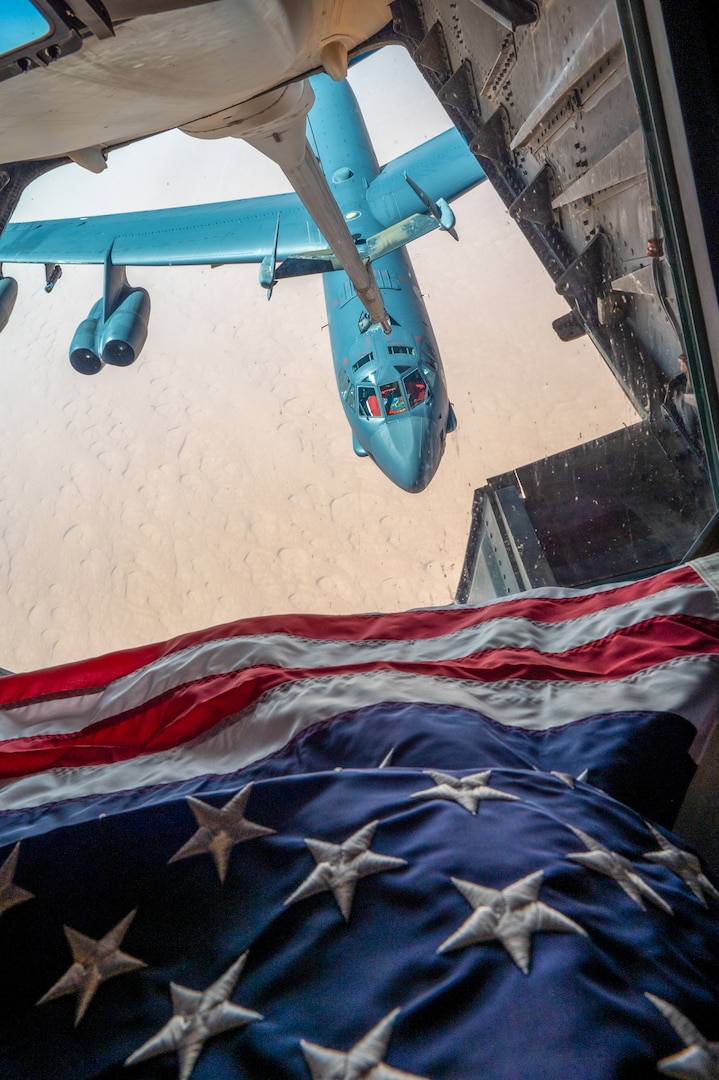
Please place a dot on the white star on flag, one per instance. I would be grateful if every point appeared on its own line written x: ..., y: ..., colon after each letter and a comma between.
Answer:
x: 220, y: 829
x: 700, y: 1060
x: 340, y: 866
x: 198, y: 1016
x: 468, y: 791
x: 600, y: 858
x: 684, y: 864
x: 510, y: 915
x: 10, y: 893
x: 365, y: 1060
x: 95, y: 961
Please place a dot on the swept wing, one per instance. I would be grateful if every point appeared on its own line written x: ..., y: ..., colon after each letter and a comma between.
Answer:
x: 243, y: 230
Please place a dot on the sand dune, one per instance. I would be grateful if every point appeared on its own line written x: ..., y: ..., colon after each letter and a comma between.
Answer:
x: 215, y: 478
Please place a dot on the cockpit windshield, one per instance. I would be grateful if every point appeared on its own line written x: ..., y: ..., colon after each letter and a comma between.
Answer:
x: 394, y: 402
x: 368, y: 401
x: 415, y: 388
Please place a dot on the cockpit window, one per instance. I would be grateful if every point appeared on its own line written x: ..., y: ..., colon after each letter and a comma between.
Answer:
x: 368, y: 401
x: 415, y: 388
x: 362, y: 361
x: 394, y: 403
x: 400, y: 350
x: 347, y: 390
x: 429, y: 374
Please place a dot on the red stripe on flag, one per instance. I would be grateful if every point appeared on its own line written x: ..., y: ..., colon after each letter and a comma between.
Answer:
x: 94, y: 674
x: 190, y: 711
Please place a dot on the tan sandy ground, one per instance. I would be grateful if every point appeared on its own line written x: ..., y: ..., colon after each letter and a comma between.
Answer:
x: 215, y: 479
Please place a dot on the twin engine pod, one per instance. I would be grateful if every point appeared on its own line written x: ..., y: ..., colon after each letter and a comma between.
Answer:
x: 8, y: 296
x: 116, y: 340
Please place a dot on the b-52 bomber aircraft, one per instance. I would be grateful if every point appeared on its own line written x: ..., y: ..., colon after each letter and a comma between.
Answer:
x: 390, y: 377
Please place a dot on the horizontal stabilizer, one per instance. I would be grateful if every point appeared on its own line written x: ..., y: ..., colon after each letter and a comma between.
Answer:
x: 444, y: 166
x: 404, y: 232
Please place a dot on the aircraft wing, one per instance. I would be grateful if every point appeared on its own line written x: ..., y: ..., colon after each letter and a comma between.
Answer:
x: 443, y: 167
x: 238, y: 231
x: 244, y: 230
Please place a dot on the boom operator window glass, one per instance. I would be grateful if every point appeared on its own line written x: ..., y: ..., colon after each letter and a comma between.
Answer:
x: 20, y: 24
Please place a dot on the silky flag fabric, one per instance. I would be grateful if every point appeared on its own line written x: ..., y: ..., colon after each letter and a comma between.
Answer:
x: 424, y: 845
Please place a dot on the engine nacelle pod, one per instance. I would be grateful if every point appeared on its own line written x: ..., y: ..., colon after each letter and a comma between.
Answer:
x: 125, y: 332
x: 8, y: 296
x: 83, y: 347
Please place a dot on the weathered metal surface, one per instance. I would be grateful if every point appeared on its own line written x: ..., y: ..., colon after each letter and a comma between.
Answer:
x: 459, y: 92
x: 535, y: 202
x: 15, y: 177
x: 556, y: 125
x: 509, y: 13
x: 624, y: 163
x: 496, y: 81
x: 432, y: 53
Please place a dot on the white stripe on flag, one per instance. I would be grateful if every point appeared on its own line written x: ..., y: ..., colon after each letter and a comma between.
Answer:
x: 65, y: 715
x: 688, y: 686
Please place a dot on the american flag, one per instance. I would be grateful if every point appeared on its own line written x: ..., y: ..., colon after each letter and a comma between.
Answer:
x: 430, y: 844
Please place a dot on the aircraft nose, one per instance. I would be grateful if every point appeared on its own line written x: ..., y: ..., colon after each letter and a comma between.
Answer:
x: 406, y: 452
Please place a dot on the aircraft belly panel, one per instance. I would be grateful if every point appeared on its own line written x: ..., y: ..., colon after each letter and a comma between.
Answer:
x: 150, y: 77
